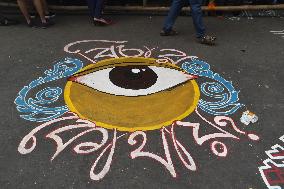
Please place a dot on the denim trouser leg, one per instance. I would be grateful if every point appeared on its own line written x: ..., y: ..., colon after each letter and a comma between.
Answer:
x: 99, y: 8
x: 196, y: 14
x: 172, y: 15
x: 92, y: 6
x: 95, y: 7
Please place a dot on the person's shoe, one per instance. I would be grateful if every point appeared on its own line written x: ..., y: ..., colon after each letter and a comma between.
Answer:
x: 32, y: 15
x: 102, y: 22
x: 207, y: 40
x: 45, y: 25
x: 168, y: 33
x: 50, y: 15
x: 8, y: 22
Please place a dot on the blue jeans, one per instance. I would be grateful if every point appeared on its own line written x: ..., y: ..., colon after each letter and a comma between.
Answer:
x: 196, y: 14
x: 95, y: 7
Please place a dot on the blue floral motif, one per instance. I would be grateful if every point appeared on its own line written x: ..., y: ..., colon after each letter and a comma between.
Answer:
x: 220, y: 89
x: 35, y: 109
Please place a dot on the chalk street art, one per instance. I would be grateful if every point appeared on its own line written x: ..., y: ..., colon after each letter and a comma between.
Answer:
x: 249, y: 15
x: 122, y: 94
x: 272, y: 172
x: 279, y: 33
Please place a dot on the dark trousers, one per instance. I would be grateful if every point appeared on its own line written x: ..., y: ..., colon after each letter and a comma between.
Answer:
x: 96, y: 7
x: 2, y: 17
x: 196, y: 13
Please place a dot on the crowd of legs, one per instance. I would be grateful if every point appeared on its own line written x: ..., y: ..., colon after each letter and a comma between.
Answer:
x: 41, y: 9
x: 96, y: 12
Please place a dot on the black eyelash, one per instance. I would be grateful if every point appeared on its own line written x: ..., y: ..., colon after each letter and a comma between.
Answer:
x: 91, y: 70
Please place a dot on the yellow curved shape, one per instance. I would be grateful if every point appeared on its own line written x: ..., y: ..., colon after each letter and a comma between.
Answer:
x: 131, y: 113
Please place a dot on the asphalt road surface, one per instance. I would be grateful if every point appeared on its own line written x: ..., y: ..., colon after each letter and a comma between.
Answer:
x: 248, y: 53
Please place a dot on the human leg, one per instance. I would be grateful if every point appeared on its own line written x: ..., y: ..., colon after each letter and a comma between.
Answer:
x: 45, y: 23
x: 92, y: 6
x: 99, y: 4
x: 96, y: 7
x: 48, y: 14
x: 24, y: 9
x: 172, y: 15
x: 196, y: 14
x: 44, y: 6
x: 40, y: 10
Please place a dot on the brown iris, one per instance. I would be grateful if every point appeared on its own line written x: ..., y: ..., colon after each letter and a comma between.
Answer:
x: 133, y: 77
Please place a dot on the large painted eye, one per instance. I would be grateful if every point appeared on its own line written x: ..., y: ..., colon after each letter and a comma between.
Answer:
x: 133, y: 80
x: 131, y: 94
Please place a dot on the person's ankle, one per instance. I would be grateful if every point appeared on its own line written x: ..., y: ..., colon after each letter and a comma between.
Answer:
x: 30, y: 23
x: 97, y: 19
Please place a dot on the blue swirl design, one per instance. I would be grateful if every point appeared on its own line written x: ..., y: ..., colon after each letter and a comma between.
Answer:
x: 220, y: 89
x: 35, y: 109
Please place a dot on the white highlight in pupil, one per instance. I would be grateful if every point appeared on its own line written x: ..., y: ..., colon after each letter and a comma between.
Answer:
x: 135, y: 70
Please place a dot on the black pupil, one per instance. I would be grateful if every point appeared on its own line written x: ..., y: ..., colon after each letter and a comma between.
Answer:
x: 133, y: 77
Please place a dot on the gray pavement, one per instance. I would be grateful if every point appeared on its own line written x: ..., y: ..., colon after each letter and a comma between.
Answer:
x: 247, y: 54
